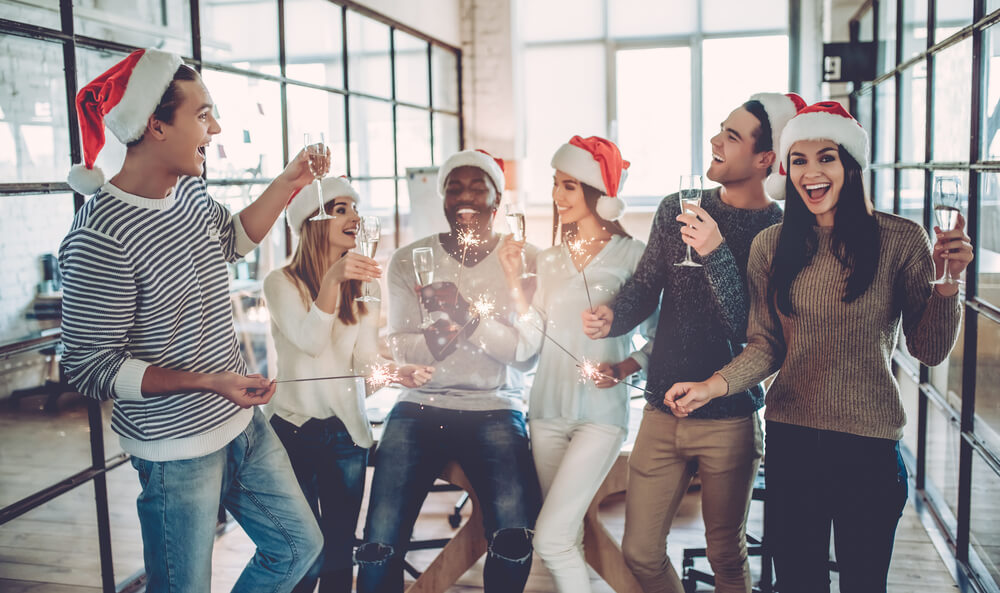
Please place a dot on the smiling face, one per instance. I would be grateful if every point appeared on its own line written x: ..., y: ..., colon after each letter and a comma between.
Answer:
x: 342, y: 229
x: 733, y: 158
x: 470, y: 200
x: 185, y: 139
x: 567, y: 194
x: 816, y: 171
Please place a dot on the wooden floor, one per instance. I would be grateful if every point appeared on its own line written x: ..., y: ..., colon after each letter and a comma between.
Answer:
x: 53, y: 549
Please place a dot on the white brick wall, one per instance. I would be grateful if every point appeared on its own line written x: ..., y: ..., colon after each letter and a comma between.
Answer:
x: 487, y: 32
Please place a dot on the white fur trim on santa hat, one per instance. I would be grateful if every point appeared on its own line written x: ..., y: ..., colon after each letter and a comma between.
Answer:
x: 816, y: 125
x: 149, y: 79
x: 610, y: 208
x: 780, y: 109
x: 471, y: 158
x: 774, y: 185
x: 580, y: 163
x: 304, y: 204
x: 85, y: 181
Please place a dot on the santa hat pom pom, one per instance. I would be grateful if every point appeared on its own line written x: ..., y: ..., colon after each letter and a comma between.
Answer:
x: 774, y: 185
x: 610, y: 208
x: 85, y: 181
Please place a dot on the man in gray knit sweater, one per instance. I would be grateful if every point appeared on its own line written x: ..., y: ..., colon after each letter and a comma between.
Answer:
x: 703, y: 317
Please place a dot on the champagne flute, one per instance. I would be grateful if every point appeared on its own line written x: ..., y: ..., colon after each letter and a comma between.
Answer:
x: 369, y: 232
x: 423, y: 267
x: 319, y: 165
x: 689, y: 194
x: 947, y: 199
x: 515, y: 220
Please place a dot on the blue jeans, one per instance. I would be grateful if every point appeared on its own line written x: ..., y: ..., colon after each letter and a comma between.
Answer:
x: 330, y: 469
x: 492, y: 449
x: 251, y: 476
x: 818, y: 477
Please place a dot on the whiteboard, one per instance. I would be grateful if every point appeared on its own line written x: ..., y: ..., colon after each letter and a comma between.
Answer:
x: 426, y: 206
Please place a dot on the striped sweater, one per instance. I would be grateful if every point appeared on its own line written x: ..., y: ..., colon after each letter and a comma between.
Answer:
x: 145, y: 283
x: 835, y: 357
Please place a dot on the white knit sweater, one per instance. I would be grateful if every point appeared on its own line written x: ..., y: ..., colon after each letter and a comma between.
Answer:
x: 312, y: 343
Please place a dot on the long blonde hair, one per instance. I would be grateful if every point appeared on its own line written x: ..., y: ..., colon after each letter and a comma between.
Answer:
x: 310, y: 262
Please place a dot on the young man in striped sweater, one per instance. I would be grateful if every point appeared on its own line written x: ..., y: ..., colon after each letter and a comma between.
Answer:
x: 147, y: 322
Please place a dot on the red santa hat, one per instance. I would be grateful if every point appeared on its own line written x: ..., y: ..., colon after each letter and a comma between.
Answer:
x: 473, y: 158
x: 122, y: 98
x: 780, y: 109
x: 826, y: 120
x: 304, y: 203
x: 598, y: 163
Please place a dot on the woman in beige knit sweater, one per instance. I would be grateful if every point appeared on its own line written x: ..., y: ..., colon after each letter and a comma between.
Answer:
x: 830, y: 288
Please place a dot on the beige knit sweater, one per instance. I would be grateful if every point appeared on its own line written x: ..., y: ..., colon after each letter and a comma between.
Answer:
x: 833, y: 357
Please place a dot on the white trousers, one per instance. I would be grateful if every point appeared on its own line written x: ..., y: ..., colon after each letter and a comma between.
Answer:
x: 572, y: 459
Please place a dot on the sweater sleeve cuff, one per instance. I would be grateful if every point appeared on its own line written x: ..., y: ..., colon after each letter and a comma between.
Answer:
x: 323, y: 316
x: 244, y: 244
x: 128, y: 381
x: 641, y: 358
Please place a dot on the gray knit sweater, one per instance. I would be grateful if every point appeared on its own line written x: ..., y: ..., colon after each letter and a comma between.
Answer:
x: 834, y: 357
x: 703, y: 313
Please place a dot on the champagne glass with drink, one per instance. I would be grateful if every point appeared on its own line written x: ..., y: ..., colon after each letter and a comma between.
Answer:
x: 423, y: 267
x: 319, y: 165
x: 369, y: 232
x: 689, y: 194
x: 947, y: 199
x: 515, y: 220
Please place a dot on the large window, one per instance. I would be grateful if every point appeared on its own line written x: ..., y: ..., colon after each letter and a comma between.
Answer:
x: 935, y: 115
x: 655, y: 77
x: 385, y: 96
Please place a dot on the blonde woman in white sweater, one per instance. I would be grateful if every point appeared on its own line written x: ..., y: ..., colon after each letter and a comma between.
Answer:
x: 320, y: 330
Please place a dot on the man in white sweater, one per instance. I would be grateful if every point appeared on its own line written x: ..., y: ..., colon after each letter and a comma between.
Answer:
x: 147, y: 322
x: 470, y: 410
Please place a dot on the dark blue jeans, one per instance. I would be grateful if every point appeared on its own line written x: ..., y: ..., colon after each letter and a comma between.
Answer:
x: 330, y: 469
x: 492, y: 448
x: 818, y: 477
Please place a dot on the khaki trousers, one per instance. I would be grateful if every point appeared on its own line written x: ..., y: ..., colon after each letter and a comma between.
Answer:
x: 668, y: 451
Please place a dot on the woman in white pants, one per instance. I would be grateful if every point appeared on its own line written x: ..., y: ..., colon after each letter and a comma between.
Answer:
x: 577, y: 423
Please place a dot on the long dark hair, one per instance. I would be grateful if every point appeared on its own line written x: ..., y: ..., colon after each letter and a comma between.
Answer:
x: 855, y: 239
x: 568, y: 231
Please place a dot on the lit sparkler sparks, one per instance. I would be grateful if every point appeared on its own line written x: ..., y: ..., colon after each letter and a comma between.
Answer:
x: 588, y: 371
x: 380, y: 376
x: 484, y: 306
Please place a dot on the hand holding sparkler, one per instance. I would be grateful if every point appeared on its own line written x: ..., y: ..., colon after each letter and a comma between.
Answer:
x: 414, y: 375
x: 597, y: 321
x: 685, y: 398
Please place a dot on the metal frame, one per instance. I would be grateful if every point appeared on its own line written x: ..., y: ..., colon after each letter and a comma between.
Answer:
x: 694, y: 41
x: 953, y: 535
x: 70, y: 41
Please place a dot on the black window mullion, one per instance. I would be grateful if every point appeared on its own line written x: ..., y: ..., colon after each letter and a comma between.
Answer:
x: 395, y: 135
x: 347, y: 97
x: 430, y: 94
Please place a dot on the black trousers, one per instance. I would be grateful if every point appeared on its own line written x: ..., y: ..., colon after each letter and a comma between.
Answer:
x: 816, y: 478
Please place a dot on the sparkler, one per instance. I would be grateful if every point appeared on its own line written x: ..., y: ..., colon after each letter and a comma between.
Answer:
x: 319, y: 378
x: 466, y: 238
x: 588, y: 370
x: 577, y: 248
